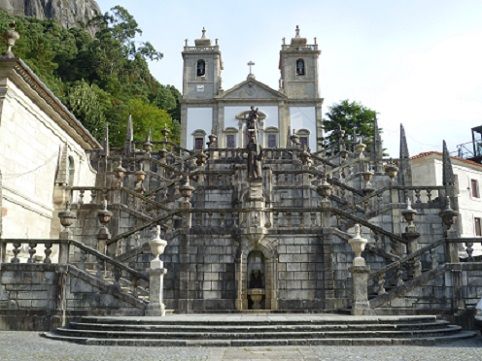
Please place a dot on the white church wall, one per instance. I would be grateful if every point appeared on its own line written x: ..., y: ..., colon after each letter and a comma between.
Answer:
x: 304, y: 118
x: 30, y: 145
x: 198, y: 118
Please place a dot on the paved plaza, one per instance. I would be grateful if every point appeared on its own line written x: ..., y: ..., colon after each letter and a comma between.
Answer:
x: 29, y: 346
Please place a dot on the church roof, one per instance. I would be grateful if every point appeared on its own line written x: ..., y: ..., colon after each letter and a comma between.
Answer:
x: 251, y: 89
x: 438, y: 155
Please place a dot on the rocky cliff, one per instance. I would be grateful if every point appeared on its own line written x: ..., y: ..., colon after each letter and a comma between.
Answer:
x: 67, y: 12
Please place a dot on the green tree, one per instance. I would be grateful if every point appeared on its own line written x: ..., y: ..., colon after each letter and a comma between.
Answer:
x: 90, y: 103
x: 146, y: 118
x: 99, y: 78
x: 353, y: 118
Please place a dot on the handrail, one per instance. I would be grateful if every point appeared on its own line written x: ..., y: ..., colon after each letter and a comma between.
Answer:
x: 142, y: 227
x: 108, y: 259
x: 144, y: 199
x: 407, y: 258
x: 398, y: 187
x: 363, y: 222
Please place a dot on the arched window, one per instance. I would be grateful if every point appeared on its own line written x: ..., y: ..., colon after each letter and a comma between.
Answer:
x: 71, y: 171
x: 201, y: 68
x: 300, y: 67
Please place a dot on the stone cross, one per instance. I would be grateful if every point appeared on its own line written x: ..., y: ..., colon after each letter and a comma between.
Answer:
x: 250, y: 64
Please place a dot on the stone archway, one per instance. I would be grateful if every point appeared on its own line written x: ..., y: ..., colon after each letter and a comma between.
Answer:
x: 266, y: 251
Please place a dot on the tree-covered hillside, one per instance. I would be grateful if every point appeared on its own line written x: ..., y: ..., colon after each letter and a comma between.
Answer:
x: 103, y: 78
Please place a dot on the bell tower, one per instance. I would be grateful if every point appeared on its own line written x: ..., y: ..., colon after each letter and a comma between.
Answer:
x: 202, y: 69
x: 299, y: 68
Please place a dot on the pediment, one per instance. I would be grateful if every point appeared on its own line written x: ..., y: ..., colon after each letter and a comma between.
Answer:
x: 252, y: 89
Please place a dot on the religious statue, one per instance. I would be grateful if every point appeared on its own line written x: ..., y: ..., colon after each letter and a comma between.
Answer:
x: 251, y: 119
x: 254, y: 161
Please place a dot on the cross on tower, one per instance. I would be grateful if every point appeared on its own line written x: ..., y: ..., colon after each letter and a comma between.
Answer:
x: 250, y: 64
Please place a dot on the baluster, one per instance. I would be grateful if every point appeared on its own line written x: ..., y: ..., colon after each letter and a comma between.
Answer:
x: 429, y: 195
x: 134, y: 284
x: 16, y: 251
x: 100, y: 266
x: 82, y: 259
x: 434, y: 259
x: 93, y: 196
x: 469, y: 249
x: 117, y: 276
x: 48, y: 252
x: 381, y: 284
x: 417, y: 196
x: 81, y: 196
x: 31, y: 251
x: 399, y: 276
x: 210, y: 219
x: 221, y: 220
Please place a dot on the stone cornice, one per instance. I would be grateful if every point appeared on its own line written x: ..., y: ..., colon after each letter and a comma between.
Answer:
x: 21, y: 75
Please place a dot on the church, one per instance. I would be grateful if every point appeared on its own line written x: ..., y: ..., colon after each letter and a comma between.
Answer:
x: 295, y: 108
x: 252, y: 213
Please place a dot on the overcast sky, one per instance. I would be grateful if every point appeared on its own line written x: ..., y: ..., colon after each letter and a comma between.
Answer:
x: 416, y: 62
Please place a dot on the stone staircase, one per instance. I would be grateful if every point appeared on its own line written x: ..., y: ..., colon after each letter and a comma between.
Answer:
x: 259, y: 330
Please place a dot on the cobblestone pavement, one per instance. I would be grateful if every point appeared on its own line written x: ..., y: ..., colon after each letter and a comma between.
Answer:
x: 29, y: 346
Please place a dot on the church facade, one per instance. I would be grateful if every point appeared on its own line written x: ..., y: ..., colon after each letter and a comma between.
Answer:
x: 295, y: 108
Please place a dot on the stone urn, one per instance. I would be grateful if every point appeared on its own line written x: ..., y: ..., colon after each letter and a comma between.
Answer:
x: 157, y: 244
x: 67, y: 217
x: 104, y: 215
x: 256, y: 295
x: 391, y: 170
x: 358, y: 245
x: 448, y: 215
x: 140, y: 175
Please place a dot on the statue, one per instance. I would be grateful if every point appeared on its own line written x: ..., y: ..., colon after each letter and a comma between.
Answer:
x: 254, y: 161
x: 251, y: 119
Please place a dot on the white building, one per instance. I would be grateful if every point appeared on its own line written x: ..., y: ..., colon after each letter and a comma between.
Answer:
x: 427, y: 170
x: 43, y: 149
x: 207, y: 108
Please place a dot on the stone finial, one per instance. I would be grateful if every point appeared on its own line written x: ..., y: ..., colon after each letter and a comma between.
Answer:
x: 405, y: 173
x: 358, y: 244
x: 11, y: 36
x: 106, y: 140
x: 448, y: 178
x: 297, y: 31
x: 157, y: 244
x: 129, y: 140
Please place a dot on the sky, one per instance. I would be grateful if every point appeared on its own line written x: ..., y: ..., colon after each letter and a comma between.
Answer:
x: 416, y: 62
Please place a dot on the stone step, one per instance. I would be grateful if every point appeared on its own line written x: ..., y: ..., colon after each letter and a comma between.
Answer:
x: 257, y: 319
x: 173, y: 334
x: 256, y: 328
x: 263, y: 342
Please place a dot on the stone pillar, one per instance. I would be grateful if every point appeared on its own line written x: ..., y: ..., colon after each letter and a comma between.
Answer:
x: 156, y: 277
x: 360, y: 272
x: 156, y: 289
x: 360, y: 304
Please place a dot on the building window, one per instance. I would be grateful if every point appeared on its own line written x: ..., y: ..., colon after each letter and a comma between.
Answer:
x: 300, y: 67
x: 198, y: 143
x: 474, y: 187
x: 230, y: 141
x: 201, y: 68
x: 272, y: 141
x: 477, y: 227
